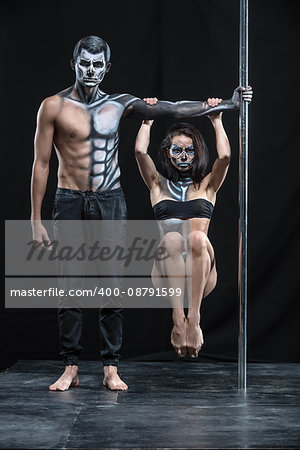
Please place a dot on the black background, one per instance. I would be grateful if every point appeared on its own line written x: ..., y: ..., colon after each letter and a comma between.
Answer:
x: 173, y: 50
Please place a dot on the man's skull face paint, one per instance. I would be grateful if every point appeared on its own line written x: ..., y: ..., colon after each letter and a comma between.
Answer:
x: 90, y: 68
x: 182, y: 153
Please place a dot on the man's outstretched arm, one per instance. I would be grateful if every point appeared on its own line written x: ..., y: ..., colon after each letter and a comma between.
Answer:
x: 185, y: 108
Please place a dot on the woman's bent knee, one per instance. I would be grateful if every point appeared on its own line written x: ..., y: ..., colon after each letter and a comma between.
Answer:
x: 172, y: 243
x: 197, y: 242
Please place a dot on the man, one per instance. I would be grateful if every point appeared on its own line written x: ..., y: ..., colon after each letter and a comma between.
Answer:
x: 82, y: 123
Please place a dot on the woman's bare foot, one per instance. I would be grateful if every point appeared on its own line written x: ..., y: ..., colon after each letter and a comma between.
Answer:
x: 178, y: 337
x: 194, y: 337
x: 112, y: 380
x: 68, y: 379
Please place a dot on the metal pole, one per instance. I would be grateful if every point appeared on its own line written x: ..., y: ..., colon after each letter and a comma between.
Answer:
x: 243, y: 199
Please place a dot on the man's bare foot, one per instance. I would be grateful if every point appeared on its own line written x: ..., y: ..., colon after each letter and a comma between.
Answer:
x: 194, y: 337
x: 178, y: 337
x: 68, y: 379
x: 112, y: 380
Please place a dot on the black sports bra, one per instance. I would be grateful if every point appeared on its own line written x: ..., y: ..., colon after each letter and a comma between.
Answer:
x: 171, y: 209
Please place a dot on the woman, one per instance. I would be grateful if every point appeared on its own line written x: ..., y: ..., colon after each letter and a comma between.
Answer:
x: 183, y: 199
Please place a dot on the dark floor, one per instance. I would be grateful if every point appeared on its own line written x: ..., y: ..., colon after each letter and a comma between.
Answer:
x: 169, y: 405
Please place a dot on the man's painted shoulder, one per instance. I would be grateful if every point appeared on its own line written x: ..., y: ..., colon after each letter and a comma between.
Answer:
x: 65, y: 92
x: 124, y: 99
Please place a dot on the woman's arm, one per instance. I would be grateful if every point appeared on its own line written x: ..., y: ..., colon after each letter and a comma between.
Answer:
x: 220, y: 167
x: 145, y: 163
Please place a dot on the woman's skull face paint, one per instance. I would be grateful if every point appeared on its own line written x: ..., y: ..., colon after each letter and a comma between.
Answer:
x: 90, y: 68
x: 182, y: 153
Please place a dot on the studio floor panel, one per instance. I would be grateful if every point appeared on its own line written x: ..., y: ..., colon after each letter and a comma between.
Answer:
x: 168, y: 405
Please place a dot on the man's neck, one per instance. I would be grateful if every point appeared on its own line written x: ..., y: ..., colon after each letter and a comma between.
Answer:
x: 86, y: 94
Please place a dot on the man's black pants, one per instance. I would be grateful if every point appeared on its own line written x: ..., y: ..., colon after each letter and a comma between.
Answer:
x: 70, y: 204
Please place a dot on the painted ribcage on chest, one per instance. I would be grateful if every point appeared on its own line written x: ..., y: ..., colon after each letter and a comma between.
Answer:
x: 105, y: 172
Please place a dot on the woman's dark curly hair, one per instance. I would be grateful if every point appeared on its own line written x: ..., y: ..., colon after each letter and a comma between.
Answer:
x: 201, y: 153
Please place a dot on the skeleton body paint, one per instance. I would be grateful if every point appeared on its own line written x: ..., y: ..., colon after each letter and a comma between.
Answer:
x: 182, y: 157
x: 177, y: 190
x: 90, y: 69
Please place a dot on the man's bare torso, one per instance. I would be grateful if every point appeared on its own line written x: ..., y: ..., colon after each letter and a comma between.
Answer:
x: 86, y: 140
